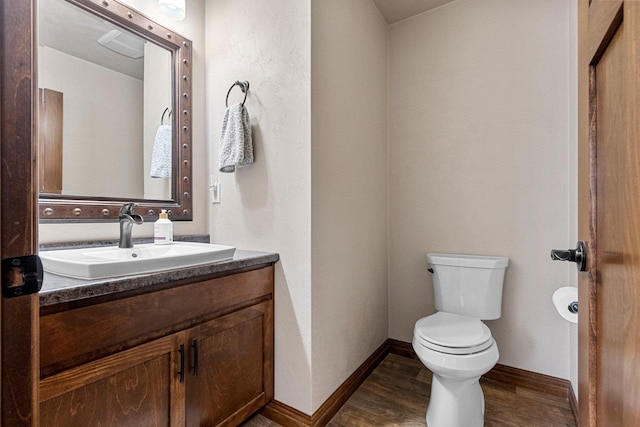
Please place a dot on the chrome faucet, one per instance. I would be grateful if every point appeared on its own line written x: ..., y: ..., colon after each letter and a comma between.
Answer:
x: 127, y: 219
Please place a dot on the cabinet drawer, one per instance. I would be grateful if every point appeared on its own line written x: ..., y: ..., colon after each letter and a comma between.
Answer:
x: 76, y: 336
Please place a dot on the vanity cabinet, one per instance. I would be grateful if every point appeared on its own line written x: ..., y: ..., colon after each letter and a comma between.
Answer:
x: 191, y: 353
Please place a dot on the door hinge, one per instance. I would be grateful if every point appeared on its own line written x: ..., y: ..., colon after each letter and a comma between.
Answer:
x: 21, y: 276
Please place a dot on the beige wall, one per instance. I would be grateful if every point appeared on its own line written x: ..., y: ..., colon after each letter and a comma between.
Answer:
x: 267, y: 206
x: 573, y: 176
x: 348, y: 189
x: 191, y: 27
x: 479, y: 149
x: 157, y: 97
x: 96, y: 134
x: 478, y: 106
x: 331, y: 284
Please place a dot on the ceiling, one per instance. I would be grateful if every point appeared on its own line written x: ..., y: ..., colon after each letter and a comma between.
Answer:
x: 397, y: 10
x: 69, y: 29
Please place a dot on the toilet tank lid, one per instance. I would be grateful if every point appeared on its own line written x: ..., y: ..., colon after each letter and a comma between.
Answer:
x: 476, y: 261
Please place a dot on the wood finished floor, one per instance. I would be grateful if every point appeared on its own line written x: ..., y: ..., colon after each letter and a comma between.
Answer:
x: 397, y: 392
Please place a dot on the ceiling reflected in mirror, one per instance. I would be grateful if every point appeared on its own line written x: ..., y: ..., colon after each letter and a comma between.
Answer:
x: 69, y: 29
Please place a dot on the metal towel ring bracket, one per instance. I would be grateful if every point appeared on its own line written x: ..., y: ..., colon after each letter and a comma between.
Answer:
x: 244, y: 87
x: 163, y: 113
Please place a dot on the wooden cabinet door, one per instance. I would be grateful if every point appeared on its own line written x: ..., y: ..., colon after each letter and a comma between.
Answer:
x: 136, y: 387
x: 231, y: 367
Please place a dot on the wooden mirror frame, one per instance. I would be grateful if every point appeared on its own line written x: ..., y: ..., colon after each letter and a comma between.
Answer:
x: 65, y: 208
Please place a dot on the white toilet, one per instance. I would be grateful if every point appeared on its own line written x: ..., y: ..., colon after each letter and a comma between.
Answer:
x: 454, y: 343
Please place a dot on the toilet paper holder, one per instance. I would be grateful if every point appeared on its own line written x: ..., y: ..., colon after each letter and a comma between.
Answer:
x: 565, y: 300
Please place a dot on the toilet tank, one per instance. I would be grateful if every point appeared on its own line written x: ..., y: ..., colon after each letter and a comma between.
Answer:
x: 469, y: 285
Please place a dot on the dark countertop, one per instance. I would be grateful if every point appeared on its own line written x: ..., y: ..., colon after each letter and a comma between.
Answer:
x: 58, y: 289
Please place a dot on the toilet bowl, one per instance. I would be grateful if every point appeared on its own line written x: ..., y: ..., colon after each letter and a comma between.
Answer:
x: 454, y: 343
x: 456, y: 397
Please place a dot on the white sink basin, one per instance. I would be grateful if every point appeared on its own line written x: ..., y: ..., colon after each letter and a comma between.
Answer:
x: 102, y: 262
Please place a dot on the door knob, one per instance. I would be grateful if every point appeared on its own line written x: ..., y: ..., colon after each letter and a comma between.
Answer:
x: 577, y: 255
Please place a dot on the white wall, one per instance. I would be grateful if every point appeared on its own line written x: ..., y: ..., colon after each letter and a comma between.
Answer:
x: 192, y: 27
x: 157, y: 97
x: 348, y: 189
x: 267, y: 206
x: 479, y: 112
x: 477, y: 162
x: 102, y: 112
x: 573, y: 176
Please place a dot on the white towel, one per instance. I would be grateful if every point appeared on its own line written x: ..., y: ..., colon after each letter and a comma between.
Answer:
x: 236, y: 147
x: 161, y: 155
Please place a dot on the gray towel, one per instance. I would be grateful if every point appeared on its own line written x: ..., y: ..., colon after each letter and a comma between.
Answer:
x: 236, y: 147
x: 161, y: 154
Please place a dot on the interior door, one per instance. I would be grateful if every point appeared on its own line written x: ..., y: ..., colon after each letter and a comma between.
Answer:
x: 50, y: 115
x: 609, y: 212
x: 18, y: 213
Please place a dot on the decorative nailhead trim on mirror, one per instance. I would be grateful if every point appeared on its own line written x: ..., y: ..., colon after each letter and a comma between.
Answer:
x: 57, y: 208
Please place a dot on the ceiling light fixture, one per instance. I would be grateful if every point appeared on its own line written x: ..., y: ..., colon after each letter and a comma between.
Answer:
x: 174, y: 9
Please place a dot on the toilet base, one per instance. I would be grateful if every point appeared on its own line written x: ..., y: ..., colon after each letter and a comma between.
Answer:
x: 455, y: 403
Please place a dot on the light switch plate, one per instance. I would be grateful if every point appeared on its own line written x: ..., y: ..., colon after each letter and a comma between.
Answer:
x: 214, y: 186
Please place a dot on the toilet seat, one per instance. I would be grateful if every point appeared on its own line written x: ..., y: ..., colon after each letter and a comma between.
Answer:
x: 453, y: 334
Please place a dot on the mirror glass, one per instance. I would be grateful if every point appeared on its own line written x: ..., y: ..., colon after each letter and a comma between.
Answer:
x: 114, y: 113
x: 105, y: 108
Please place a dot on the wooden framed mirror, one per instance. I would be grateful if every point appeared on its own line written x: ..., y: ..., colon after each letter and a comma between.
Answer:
x: 114, y: 113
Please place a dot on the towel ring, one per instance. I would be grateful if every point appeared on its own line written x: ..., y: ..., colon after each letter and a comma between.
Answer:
x: 244, y: 87
x: 163, y: 113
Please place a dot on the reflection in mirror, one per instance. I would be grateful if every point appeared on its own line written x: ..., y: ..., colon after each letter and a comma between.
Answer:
x: 103, y: 92
x: 114, y: 113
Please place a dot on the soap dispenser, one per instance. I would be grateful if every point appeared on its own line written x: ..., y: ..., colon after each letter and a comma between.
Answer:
x: 163, y: 230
